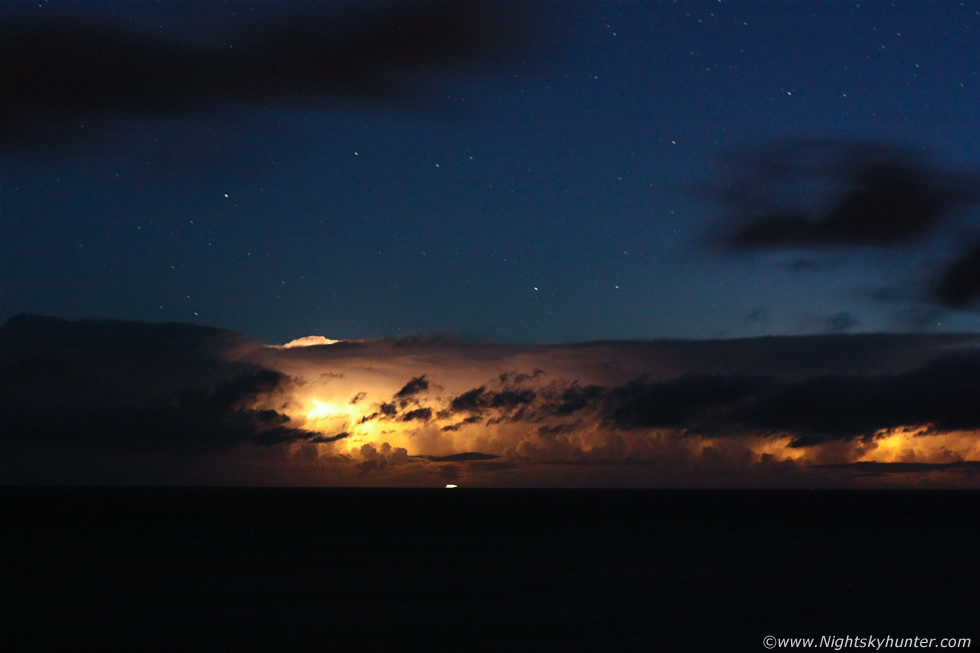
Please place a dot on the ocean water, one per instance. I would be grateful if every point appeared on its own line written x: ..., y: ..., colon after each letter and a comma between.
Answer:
x: 465, y: 569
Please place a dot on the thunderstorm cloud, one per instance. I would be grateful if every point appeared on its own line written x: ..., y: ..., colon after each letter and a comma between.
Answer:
x: 132, y: 402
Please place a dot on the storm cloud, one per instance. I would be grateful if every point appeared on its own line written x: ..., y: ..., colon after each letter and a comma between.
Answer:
x: 135, y: 387
x: 769, y: 411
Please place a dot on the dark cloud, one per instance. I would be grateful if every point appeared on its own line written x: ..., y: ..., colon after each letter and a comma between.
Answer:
x: 810, y: 408
x: 834, y: 194
x: 678, y: 403
x: 471, y: 401
x: 229, y: 395
x: 576, y: 398
x: 472, y: 419
x: 516, y: 378
x: 330, y: 438
x: 405, y: 397
x: 509, y: 399
x: 857, y: 194
x: 134, y: 386
x: 959, y: 285
x: 942, y: 393
x: 385, y: 410
x: 417, y: 385
x: 388, y: 409
x: 480, y: 399
x: 200, y: 420
x: 417, y: 415
x: 83, y: 363
x: 356, y: 398
x: 62, y: 63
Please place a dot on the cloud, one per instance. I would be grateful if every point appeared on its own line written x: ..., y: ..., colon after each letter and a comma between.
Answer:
x: 826, y: 194
x: 417, y: 415
x: 679, y: 403
x: 198, y: 421
x: 801, y: 408
x: 510, y: 399
x: 417, y: 385
x: 576, y: 398
x: 758, y: 411
x: 319, y: 439
x: 135, y: 386
x: 384, y: 410
x: 472, y: 419
x: 504, y: 403
x: 309, y: 341
x: 66, y: 63
x: 837, y: 194
x: 471, y: 401
x: 380, y: 458
x: 959, y: 285
x: 941, y: 394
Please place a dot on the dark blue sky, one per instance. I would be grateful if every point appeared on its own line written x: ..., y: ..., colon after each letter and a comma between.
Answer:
x: 507, y: 172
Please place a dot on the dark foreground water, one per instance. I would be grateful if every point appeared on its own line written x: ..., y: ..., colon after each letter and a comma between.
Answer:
x: 318, y: 569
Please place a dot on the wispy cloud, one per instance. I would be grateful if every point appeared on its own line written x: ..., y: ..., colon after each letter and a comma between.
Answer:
x: 822, y: 195
x: 180, y: 59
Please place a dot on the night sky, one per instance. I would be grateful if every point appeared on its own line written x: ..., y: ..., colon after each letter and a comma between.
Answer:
x: 497, y: 171
x: 519, y: 173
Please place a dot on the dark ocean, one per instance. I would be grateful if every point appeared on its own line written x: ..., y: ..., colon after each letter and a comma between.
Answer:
x: 284, y: 569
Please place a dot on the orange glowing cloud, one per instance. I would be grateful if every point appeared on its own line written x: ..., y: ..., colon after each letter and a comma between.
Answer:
x: 785, y: 412
x: 592, y: 407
